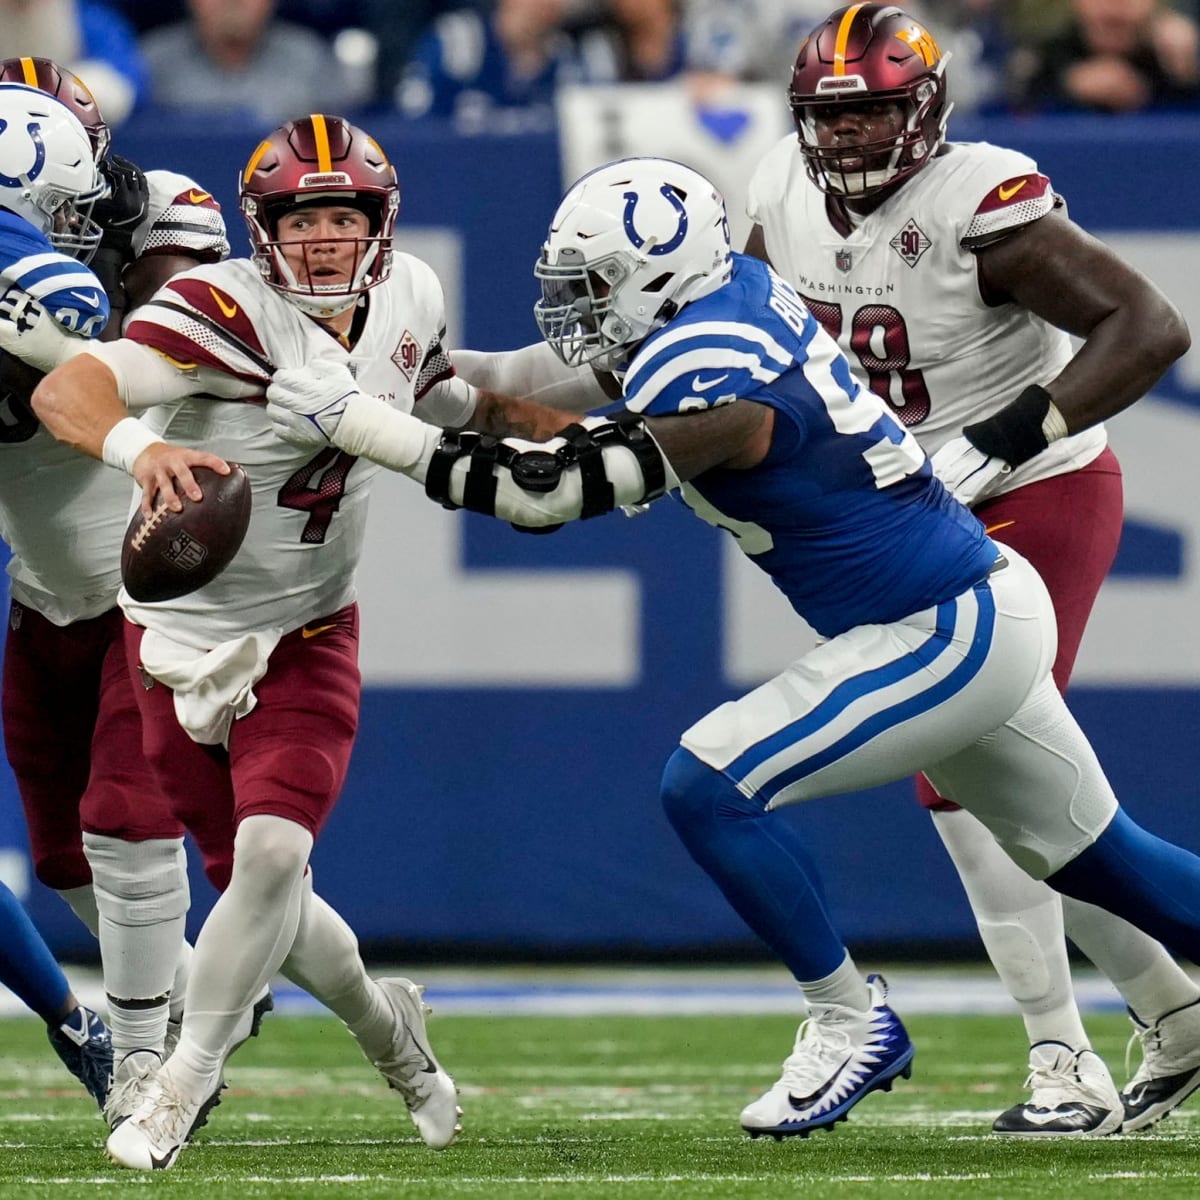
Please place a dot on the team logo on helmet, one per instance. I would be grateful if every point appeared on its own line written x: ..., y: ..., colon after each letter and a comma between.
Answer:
x: 674, y: 242
x: 39, y: 157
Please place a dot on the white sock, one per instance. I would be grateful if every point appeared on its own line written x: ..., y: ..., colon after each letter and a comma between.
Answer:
x: 179, y: 986
x: 325, y: 962
x: 142, y: 895
x: 82, y: 901
x: 243, y: 942
x: 845, y: 986
x: 1150, y: 981
x: 1020, y: 922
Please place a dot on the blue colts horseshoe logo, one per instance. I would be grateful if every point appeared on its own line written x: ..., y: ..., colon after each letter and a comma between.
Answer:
x: 39, y: 159
x: 668, y: 190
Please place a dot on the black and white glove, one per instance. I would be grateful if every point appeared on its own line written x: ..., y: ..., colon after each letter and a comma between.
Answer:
x: 967, y: 473
x: 30, y: 333
x: 118, y: 214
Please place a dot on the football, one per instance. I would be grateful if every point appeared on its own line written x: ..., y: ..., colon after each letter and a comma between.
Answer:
x: 171, y: 554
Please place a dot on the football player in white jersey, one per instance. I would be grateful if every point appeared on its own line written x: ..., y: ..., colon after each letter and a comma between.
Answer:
x: 950, y: 276
x: 100, y: 833
x: 250, y: 686
x: 732, y: 387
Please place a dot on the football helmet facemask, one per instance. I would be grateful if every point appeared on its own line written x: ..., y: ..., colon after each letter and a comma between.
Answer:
x: 47, y: 173
x: 65, y: 86
x: 320, y: 160
x: 631, y: 243
x: 870, y: 53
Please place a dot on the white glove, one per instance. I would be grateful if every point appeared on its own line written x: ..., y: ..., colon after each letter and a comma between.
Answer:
x: 968, y: 474
x: 305, y: 404
x: 28, y: 332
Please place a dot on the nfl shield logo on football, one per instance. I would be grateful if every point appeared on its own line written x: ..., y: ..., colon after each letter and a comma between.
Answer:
x: 843, y: 260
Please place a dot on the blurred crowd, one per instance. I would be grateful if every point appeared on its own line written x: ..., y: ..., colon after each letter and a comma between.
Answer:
x: 499, y: 63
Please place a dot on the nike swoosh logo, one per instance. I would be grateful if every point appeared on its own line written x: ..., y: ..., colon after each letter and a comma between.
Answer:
x: 1002, y: 525
x: 92, y: 298
x: 1009, y: 193
x: 230, y: 310
x: 312, y: 633
x: 800, y: 1103
x: 160, y: 1163
x: 699, y: 385
x: 199, y: 197
x: 1036, y: 1117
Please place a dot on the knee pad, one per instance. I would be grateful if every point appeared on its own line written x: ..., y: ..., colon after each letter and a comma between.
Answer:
x: 138, y: 883
x: 270, y: 853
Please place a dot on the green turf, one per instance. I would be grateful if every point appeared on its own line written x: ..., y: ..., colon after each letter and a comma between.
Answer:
x: 642, y: 1107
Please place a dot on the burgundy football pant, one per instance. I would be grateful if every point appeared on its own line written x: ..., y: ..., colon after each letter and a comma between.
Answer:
x: 73, y: 738
x: 287, y: 758
x: 1068, y: 527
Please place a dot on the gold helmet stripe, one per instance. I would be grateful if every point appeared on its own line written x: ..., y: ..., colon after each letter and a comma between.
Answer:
x: 843, y: 38
x: 256, y: 158
x: 321, y: 136
x: 29, y: 71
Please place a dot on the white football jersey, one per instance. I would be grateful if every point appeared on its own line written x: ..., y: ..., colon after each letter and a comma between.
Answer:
x: 309, y: 508
x: 901, y: 290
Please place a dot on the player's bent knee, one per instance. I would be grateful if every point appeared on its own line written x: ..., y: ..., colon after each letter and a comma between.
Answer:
x: 270, y: 853
x: 694, y: 793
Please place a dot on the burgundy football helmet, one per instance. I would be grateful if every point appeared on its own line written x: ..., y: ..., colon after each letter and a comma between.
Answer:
x: 314, y: 160
x: 873, y: 53
x: 65, y: 86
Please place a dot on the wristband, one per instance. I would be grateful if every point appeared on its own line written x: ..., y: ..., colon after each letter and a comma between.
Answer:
x: 1020, y: 430
x: 125, y: 441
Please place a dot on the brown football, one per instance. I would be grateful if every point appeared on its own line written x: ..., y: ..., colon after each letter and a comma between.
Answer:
x: 173, y: 553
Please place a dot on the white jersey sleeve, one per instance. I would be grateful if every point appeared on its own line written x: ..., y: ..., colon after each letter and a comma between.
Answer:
x: 308, y: 509
x: 900, y: 289
x: 181, y: 218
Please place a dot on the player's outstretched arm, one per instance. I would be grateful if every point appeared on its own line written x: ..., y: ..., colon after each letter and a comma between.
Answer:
x: 592, y: 467
x: 80, y: 404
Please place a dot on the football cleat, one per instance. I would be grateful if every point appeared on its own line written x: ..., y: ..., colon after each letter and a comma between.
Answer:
x: 129, y: 1081
x: 152, y: 1135
x: 84, y: 1044
x: 1170, y: 1070
x: 412, y: 1070
x: 841, y: 1055
x: 1073, y: 1095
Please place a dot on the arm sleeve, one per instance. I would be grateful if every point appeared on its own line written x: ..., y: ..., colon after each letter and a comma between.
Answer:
x: 532, y: 373
x: 146, y: 378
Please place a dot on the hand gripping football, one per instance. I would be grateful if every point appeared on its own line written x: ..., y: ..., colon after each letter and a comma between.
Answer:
x: 173, y: 553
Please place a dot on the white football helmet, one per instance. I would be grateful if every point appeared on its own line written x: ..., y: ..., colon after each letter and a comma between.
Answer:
x: 631, y: 243
x: 48, y: 175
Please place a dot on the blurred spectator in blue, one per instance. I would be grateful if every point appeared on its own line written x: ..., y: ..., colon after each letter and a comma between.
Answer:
x: 234, y: 55
x: 501, y: 71
x: 90, y: 38
x: 1113, y: 56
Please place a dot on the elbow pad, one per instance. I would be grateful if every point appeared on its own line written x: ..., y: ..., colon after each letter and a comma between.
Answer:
x: 589, y: 469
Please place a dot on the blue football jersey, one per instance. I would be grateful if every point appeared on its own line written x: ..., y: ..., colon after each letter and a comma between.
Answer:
x: 844, y: 513
x: 62, y: 285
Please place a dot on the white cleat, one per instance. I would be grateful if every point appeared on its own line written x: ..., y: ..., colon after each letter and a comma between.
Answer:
x: 1073, y: 1095
x: 130, y: 1078
x: 1170, y: 1067
x: 152, y: 1136
x: 412, y: 1070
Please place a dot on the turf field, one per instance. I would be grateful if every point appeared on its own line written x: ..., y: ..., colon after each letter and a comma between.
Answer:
x: 636, y: 1106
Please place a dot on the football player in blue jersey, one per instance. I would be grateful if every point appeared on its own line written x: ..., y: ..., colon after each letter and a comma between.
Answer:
x: 48, y: 184
x: 938, y: 645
